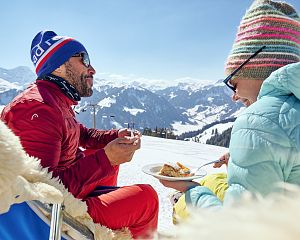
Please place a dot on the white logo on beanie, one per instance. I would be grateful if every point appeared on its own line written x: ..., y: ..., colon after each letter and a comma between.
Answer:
x: 38, y: 51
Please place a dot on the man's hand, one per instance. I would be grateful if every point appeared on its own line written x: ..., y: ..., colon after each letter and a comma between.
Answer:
x: 127, y: 132
x: 121, y: 150
x: 224, y: 160
x: 181, y: 186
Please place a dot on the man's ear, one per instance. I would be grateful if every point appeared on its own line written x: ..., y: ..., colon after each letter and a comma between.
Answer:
x: 60, y: 71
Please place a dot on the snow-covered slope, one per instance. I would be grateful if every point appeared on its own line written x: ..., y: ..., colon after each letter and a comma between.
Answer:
x: 208, y: 133
x: 158, y: 150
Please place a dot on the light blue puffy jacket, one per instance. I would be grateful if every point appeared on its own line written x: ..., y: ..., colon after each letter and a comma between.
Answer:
x: 265, y: 142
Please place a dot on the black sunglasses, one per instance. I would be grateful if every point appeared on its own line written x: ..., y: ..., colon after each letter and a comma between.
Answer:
x: 227, y: 80
x: 84, y: 57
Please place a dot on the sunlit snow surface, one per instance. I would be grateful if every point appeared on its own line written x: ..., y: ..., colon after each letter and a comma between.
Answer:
x: 158, y: 150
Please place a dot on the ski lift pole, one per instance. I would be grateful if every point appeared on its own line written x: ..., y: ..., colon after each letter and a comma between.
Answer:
x: 94, y: 117
x: 93, y: 106
x: 56, y: 221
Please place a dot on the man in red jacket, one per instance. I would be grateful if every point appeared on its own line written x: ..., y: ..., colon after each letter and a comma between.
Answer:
x: 43, y: 118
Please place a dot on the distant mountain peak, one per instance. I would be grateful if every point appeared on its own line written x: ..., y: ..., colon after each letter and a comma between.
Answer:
x: 21, y: 75
x: 184, y: 104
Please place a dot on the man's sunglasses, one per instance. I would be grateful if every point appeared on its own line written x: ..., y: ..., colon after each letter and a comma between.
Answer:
x: 227, y: 80
x: 84, y: 57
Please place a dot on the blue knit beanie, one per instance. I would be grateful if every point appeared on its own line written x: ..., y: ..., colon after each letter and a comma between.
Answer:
x: 49, y: 51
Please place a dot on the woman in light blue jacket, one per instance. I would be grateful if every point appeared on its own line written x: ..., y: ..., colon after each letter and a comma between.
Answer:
x: 265, y: 141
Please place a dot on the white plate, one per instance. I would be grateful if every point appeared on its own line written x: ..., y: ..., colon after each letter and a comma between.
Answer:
x: 153, y: 170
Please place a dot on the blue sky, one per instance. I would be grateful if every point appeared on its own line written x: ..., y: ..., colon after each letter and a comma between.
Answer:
x: 142, y: 39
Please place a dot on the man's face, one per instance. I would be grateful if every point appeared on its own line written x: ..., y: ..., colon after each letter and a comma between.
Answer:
x: 79, y: 76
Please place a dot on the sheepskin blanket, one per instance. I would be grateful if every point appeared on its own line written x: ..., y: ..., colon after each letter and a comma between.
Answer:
x: 253, y: 218
x: 23, y: 179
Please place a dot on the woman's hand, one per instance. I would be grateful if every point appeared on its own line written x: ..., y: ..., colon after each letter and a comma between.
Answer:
x: 224, y: 160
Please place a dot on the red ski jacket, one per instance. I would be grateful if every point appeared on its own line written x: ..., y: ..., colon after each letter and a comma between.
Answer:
x: 43, y: 118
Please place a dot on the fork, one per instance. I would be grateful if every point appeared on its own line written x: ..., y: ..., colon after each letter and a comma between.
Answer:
x: 194, y: 170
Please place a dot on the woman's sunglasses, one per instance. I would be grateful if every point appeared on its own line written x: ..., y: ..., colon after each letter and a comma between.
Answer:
x: 227, y: 80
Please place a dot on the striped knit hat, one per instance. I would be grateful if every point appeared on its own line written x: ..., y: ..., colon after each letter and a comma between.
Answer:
x: 49, y: 51
x: 275, y: 25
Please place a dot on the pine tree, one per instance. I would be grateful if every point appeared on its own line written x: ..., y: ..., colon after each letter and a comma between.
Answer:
x: 222, y: 139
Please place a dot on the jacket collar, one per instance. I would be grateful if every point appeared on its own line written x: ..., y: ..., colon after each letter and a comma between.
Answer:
x: 54, y: 89
x: 68, y: 89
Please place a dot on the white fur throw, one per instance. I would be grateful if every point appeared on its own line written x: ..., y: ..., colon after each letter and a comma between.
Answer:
x: 274, y: 217
x: 23, y: 179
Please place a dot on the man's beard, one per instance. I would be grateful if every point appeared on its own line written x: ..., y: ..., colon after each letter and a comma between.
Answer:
x: 78, y: 81
x: 82, y: 87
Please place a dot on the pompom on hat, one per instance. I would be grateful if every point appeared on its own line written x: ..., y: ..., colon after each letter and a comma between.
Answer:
x: 49, y: 51
x: 275, y: 25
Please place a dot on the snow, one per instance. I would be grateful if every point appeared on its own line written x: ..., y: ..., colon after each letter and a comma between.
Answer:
x: 106, y: 102
x: 159, y: 150
x: 193, y: 111
x: 180, y: 128
x: 1, y: 107
x: 210, y: 99
x: 199, y: 119
x: 172, y: 95
x: 133, y: 111
x: 119, y: 80
x: 207, y: 134
x: 6, y: 86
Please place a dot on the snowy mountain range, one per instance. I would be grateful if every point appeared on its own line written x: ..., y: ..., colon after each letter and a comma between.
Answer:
x: 184, y: 107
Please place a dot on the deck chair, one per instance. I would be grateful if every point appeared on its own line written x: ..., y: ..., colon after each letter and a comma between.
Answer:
x: 58, y: 219
x: 31, y: 220
x: 26, y: 187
